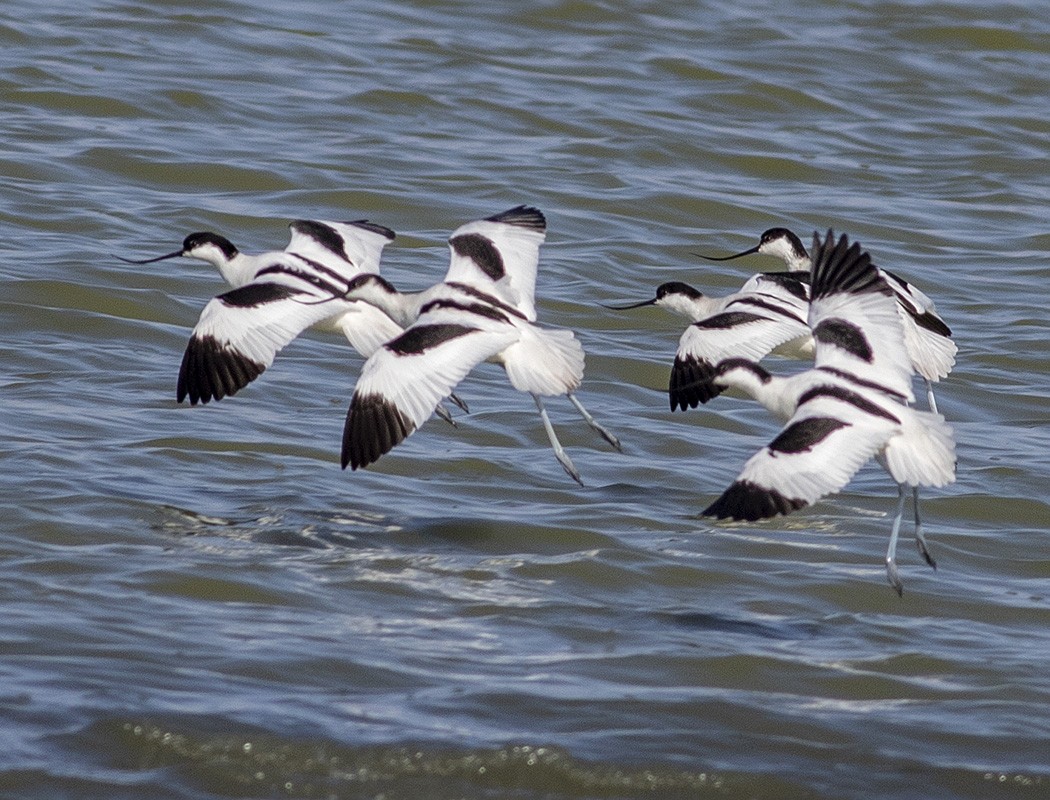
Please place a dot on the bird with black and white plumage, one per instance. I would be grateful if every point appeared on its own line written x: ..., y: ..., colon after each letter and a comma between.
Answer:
x: 484, y: 310
x: 240, y: 331
x: 850, y: 407
x: 926, y: 336
x: 766, y: 315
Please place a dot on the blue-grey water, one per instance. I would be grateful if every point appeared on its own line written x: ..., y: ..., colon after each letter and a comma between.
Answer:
x: 198, y: 602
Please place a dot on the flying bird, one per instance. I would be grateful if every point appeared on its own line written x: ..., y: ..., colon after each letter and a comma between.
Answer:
x: 850, y: 407
x: 766, y: 315
x: 484, y: 310
x: 926, y: 336
x: 240, y: 331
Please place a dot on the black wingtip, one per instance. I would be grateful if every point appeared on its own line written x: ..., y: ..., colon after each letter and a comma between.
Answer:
x: 522, y: 216
x: 748, y: 501
x: 374, y: 227
x: 691, y: 383
x: 374, y: 426
x: 210, y: 371
x: 839, y: 266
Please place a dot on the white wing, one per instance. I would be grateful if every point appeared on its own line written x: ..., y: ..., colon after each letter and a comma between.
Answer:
x: 241, y: 331
x: 764, y: 314
x: 365, y: 326
x: 853, y: 315
x: 349, y: 248
x: 926, y: 336
x: 500, y: 255
x: 403, y: 381
x: 820, y: 448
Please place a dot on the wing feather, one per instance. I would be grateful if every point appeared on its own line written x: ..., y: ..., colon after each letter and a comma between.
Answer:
x: 816, y: 453
x: 348, y: 248
x: 404, y: 380
x: 854, y: 319
x: 500, y: 254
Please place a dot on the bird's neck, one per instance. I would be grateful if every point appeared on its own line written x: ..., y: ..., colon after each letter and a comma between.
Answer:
x: 771, y: 391
x: 694, y: 308
x: 236, y: 271
x: 402, y: 307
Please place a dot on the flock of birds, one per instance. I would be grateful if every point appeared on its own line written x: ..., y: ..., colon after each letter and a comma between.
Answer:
x: 867, y: 331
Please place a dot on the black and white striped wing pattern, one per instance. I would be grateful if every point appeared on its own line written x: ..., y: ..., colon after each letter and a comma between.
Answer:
x: 404, y: 380
x: 764, y: 314
x: 816, y: 453
x: 854, y: 319
x: 348, y: 248
x: 500, y: 255
x: 241, y: 331
x: 926, y: 336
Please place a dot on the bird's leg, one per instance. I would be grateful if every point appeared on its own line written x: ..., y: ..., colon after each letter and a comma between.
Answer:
x: 891, y: 551
x: 931, y: 402
x: 920, y: 540
x: 602, y: 431
x: 559, y: 451
x: 442, y: 411
x: 455, y: 399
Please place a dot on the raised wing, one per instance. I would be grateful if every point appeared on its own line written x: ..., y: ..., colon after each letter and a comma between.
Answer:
x: 349, y: 248
x: 403, y: 381
x: 500, y: 254
x: 832, y: 434
x: 241, y: 331
x: 926, y: 336
x: 768, y: 311
x: 854, y: 319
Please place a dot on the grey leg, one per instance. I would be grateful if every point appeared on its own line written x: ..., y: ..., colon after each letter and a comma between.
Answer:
x: 559, y: 451
x: 931, y: 401
x: 602, y: 431
x: 891, y: 551
x: 920, y: 540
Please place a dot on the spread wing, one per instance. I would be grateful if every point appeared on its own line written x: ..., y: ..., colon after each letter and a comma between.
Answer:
x: 854, y: 319
x: 241, y: 331
x: 347, y: 248
x: 926, y: 336
x: 500, y: 255
x: 404, y: 380
x: 817, y: 452
x: 768, y: 311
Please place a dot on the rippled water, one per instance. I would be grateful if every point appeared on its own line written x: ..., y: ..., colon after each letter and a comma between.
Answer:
x: 198, y: 602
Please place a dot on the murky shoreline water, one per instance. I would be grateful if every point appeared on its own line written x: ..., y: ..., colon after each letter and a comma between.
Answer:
x: 199, y: 603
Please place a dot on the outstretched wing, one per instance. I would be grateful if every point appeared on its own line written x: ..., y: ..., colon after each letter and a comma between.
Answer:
x: 854, y: 318
x: 348, y: 248
x: 768, y: 311
x: 403, y: 381
x: 500, y: 255
x: 241, y: 331
x: 926, y: 336
x: 816, y: 453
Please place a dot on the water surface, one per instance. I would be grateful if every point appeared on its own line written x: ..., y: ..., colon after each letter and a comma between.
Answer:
x: 198, y: 602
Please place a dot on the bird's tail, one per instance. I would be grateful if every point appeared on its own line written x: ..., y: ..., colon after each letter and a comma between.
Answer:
x: 546, y: 361
x: 924, y: 453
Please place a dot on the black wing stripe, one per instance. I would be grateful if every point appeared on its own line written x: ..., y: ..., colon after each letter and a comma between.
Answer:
x: 745, y: 500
